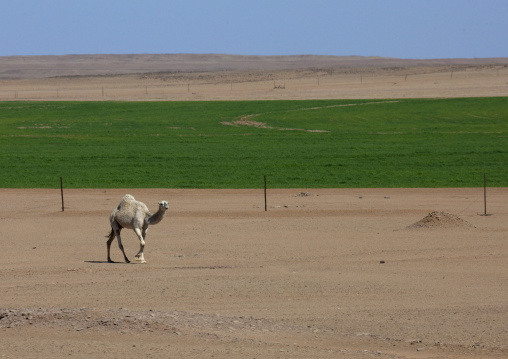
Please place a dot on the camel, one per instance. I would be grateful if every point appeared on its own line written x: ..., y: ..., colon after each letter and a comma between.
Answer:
x: 134, y: 215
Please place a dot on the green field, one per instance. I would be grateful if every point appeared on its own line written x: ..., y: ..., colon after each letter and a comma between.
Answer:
x: 374, y: 143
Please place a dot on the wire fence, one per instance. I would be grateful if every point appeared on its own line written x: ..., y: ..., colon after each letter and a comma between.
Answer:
x: 80, y: 90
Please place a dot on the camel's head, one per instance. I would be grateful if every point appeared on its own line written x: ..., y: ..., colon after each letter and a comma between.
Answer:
x: 163, y: 205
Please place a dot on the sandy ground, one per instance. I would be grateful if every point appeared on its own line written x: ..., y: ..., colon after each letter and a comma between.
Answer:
x: 223, y: 77
x: 324, y: 273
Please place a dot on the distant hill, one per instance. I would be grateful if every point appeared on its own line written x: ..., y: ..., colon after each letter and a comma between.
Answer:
x: 110, y: 65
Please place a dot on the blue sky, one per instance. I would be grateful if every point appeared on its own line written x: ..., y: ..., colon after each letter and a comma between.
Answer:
x: 419, y: 29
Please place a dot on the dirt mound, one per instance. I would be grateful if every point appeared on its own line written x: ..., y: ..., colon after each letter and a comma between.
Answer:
x: 437, y: 219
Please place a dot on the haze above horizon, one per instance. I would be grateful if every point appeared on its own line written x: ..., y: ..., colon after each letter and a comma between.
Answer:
x: 419, y: 29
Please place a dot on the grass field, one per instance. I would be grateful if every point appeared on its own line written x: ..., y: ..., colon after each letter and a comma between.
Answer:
x: 296, y: 144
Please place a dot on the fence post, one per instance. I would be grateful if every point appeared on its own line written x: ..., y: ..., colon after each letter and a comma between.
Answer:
x: 265, y: 194
x: 485, y: 193
x: 61, y: 192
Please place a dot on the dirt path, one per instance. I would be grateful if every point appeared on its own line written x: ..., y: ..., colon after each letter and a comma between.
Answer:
x: 247, y: 119
x: 328, y: 273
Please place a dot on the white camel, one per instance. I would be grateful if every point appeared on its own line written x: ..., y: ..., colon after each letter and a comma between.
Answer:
x: 134, y: 215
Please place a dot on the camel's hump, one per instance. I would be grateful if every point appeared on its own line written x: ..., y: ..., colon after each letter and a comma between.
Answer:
x: 128, y: 197
x: 127, y: 201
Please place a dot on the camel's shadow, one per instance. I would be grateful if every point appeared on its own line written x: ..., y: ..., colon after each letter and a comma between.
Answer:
x: 106, y: 262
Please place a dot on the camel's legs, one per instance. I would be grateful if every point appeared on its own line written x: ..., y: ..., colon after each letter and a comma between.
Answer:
x: 111, y: 238
x: 116, y: 232
x: 141, y: 235
x: 121, y: 246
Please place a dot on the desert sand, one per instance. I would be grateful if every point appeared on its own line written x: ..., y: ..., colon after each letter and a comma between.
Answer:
x: 224, y: 77
x: 323, y: 273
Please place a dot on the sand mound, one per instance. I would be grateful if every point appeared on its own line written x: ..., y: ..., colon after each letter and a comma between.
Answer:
x: 437, y: 219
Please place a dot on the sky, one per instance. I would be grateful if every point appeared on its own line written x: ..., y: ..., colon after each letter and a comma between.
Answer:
x: 419, y: 29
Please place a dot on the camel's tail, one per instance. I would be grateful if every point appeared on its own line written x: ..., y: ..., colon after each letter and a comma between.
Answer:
x: 111, y: 234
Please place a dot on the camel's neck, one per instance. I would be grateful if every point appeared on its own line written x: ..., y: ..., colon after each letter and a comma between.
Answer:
x: 156, y: 217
